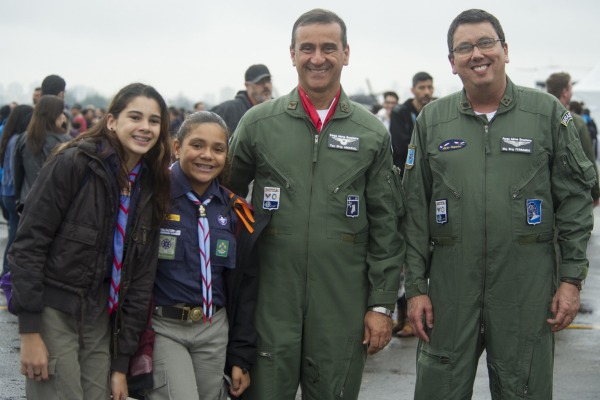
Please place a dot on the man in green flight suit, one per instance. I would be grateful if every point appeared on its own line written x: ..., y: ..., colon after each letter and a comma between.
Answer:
x: 560, y: 86
x: 330, y: 258
x: 499, y: 169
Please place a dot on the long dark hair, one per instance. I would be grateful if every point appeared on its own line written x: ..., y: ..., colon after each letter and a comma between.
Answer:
x: 157, y: 158
x: 16, y: 123
x: 43, y: 121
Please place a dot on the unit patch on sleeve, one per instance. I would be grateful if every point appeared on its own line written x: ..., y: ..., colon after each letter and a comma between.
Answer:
x: 516, y: 145
x: 343, y: 142
x: 410, y: 156
x: 452, y: 144
x: 566, y: 118
x: 534, y: 211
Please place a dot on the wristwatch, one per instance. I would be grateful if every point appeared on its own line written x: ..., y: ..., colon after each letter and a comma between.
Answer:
x: 381, y: 310
x: 577, y: 282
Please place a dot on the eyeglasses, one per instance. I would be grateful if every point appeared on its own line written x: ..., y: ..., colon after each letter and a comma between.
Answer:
x: 484, y: 45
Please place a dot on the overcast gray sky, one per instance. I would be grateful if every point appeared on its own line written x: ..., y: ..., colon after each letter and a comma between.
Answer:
x: 197, y: 48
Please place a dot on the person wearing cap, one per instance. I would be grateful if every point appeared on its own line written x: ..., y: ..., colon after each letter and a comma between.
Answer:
x: 258, y: 90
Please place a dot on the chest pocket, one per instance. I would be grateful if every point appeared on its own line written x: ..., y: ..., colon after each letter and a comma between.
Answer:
x: 222, y: 248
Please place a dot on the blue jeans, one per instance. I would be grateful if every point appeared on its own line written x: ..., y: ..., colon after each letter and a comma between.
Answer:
x: 13, y: 221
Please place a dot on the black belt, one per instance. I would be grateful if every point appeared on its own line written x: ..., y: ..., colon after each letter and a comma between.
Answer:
x: 183, y: 313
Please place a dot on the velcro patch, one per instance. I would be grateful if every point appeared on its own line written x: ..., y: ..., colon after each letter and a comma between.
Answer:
x: 566, y: 118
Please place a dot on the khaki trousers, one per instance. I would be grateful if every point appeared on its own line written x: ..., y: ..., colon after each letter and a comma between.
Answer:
x: 189, y: 358
x: 78, y: 362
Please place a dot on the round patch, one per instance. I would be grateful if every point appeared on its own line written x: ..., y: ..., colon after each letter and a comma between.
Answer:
x: 222, y: 220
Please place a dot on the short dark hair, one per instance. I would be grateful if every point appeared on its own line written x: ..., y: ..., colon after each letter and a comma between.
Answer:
x: 473, y: 16
x: 319, y: 16
x: 390, y: 93
x: 53, y: 84
x: 557, y: 82
x: 420, y: 77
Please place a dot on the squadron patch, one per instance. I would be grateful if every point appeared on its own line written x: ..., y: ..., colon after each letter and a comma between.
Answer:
x: 566, y: 118
x: 452, y: 144
x: 516, y: 145
x: 534, y: 211
x: 352, y: 206
x: 271, y: 198
x: 410, y: 156
x: 441, y: 211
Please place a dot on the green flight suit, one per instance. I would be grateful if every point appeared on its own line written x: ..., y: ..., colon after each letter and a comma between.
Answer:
x: 482, y: 248
x: 332, y: 247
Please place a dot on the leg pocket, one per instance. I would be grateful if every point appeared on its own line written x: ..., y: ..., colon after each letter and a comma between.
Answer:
x: 535, y: 368
x: 160, y: 389
x: 434, y: 374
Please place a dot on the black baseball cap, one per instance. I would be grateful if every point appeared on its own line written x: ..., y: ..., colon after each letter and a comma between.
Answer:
x: 257, y: 72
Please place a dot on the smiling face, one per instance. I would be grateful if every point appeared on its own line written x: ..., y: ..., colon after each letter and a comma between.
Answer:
x: 319, y: 56
x: 479, y: 70
x: 137, y: 127
x: 202, y: 154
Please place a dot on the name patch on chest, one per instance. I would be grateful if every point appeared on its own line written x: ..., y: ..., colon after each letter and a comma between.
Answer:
x: 452, y: 144
x: 343, y: 142
x: 516, y: 145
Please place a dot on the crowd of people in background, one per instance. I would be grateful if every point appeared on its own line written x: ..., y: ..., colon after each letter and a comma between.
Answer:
x: 349, y: 260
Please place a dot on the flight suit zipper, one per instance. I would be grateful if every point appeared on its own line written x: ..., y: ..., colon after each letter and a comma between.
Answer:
x: 486, y: 130
x: 277, y: 172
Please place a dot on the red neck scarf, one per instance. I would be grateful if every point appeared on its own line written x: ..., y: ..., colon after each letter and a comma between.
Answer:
x: 312, y: 112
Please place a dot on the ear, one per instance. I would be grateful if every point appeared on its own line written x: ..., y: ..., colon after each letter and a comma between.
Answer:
x: 111, y: 121
x: 176, y: 148
x: 505, y: 46
x: 346, y: 54
x: 293, y: 56
x: 451, y: 59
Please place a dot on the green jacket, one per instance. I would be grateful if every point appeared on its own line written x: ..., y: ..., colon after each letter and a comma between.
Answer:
x: 337, y: 196
x: 476, y: 187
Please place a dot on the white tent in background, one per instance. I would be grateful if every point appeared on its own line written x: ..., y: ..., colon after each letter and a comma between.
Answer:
x: 588, y: 91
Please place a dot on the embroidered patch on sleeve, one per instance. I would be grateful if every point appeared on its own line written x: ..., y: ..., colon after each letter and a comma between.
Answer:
x: 410, y: 157
x: 566, y: 118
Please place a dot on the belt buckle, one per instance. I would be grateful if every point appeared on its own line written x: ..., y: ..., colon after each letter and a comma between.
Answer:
x: 195, y: 314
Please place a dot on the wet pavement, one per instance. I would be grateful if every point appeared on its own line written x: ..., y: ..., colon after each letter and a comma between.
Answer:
x: 391, y: 373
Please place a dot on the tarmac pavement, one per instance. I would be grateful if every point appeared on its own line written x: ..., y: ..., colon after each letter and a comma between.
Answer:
x: 390, y: 375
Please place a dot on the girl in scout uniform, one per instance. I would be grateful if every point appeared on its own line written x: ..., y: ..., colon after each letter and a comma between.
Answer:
x: 84, y: 258
x: 204, y: 299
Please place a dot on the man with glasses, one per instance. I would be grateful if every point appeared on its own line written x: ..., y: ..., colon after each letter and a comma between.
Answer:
x: 259, y: 89
x: 501, y: 173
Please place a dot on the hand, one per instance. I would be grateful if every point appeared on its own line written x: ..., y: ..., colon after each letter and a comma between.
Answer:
x: 34, y: 357
x: 417, y: 307
x: 118, y: 386
x: 378, y: 331
x: 565, y: 306
x: 239, y: 381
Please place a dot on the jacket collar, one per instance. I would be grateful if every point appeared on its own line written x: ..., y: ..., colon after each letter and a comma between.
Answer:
x: 506, y: 102
x: 294, y: 107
